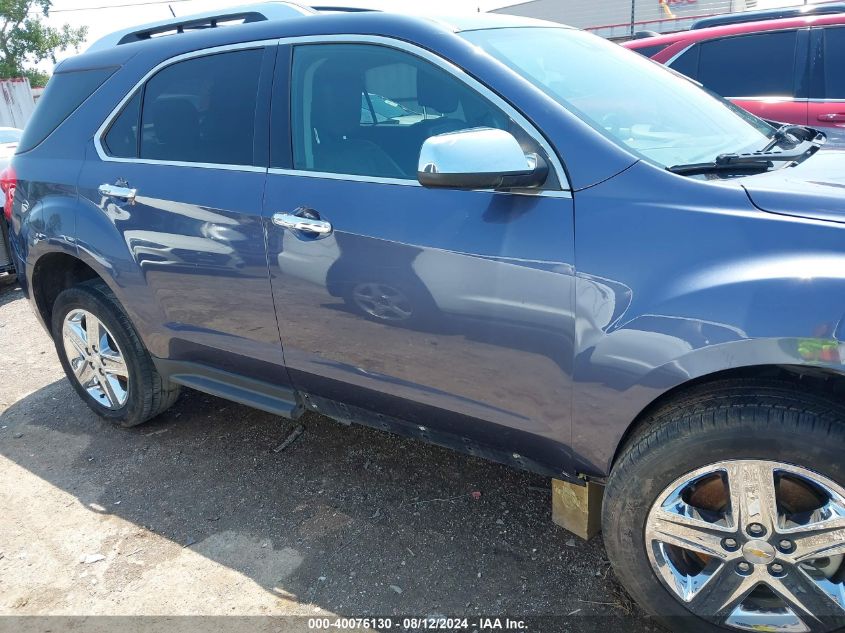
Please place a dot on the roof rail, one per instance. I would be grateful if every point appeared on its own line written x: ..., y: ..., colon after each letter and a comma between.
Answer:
x: 768, y: 14
x: 210, y: 19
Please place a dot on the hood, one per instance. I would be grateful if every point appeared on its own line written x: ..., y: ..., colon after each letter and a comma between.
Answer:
x: 812, y: 189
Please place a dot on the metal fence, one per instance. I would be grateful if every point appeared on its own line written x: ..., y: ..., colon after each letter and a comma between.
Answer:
x: 16, y: 102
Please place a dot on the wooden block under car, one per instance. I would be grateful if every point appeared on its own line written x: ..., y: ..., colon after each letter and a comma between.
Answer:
x: 577, y: 508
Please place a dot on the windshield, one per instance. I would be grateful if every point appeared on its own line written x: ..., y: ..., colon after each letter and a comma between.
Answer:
x: 635, y: 102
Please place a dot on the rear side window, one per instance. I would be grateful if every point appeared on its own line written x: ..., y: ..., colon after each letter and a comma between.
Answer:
x: 122, y: 137
x: 64, y: 93
x: 834, y: 53
x: 201, y: 110
x: 757, y: 65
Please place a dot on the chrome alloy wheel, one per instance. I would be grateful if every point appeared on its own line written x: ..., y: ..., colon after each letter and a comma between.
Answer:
x: 382, y: 301
x: 753, y: 545
x: 95, y: 359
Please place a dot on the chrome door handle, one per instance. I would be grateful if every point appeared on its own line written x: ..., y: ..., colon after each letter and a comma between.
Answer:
x: 299, y: 223
x: 114, y: 191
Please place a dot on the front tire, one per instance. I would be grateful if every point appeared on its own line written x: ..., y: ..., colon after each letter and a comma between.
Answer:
x: 104, y: 359
x: 727, y: 511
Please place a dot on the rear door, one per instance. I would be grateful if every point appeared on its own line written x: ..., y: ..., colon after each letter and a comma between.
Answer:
x: 192, y: 255
x: 765, y: 73
x: 448, y: 309
x: 827, y: 97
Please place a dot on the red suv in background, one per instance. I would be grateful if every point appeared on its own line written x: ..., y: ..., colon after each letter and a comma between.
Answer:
x: 788, y: 70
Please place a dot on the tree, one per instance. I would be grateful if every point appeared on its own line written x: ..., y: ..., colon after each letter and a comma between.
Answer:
x: 26, y: 40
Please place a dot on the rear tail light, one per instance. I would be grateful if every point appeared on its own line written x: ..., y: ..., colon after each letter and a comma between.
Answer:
x: 8, y: 183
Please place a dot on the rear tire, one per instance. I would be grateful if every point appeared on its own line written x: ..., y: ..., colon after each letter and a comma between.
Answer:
x: 691, y: 458
x: 403, y: 302
x: 123, y: 385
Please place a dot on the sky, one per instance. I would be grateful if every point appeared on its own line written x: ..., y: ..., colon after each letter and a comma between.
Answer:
x: 104, y: 16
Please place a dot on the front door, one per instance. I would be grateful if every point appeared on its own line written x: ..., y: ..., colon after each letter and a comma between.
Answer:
x: 448, y: 309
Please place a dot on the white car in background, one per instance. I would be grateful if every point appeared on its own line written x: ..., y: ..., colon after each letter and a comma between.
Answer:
x: 9, y: 139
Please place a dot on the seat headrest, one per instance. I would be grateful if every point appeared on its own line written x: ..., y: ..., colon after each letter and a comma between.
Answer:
x: 337, y: 100
x: 436, y: 91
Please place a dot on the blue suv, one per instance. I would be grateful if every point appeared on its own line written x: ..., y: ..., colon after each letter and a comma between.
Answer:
x: 499, y: 235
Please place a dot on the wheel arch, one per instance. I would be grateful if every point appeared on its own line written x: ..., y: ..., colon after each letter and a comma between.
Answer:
x: 57, y: 264
x: 820, y: 380
x: 52, y: 273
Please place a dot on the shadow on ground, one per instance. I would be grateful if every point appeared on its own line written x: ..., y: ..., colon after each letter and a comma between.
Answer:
x: 353, y: 520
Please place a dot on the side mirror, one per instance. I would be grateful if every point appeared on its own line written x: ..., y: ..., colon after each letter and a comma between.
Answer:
x: 479, y: 158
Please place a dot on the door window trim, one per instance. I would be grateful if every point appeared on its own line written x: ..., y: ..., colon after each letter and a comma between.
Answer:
x: 109, y: 120
x: 456, y: 72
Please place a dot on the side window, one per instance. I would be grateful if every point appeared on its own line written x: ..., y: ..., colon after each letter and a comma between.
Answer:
x: 200, y: 110
x: 834, y: 52
x: 363, y: 109
x: 122, y: 138
x: 757, y: 65
x: 687, y: 62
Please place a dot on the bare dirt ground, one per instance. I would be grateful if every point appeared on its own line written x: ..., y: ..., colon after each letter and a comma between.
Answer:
x: 195, y: 514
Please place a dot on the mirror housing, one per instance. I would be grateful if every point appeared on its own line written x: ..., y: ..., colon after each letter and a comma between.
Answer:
x: 479, y: 158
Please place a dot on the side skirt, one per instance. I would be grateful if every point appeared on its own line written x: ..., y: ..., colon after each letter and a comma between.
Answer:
x: 268, y: 397
x: 347, y: 414
x: 288, y: 403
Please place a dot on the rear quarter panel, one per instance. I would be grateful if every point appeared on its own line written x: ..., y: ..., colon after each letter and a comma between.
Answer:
x: 45, y: 204
x: 44, y: 212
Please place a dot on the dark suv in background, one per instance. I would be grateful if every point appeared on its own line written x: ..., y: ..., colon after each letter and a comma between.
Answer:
x: 787, y: 69
x: 500, y: 235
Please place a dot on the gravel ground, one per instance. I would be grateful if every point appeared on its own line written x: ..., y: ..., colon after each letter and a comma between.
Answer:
x: 195, y: 514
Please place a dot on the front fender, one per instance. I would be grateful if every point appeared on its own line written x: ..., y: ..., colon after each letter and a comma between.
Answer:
x: 681, y: 279
x: 610, y: 412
